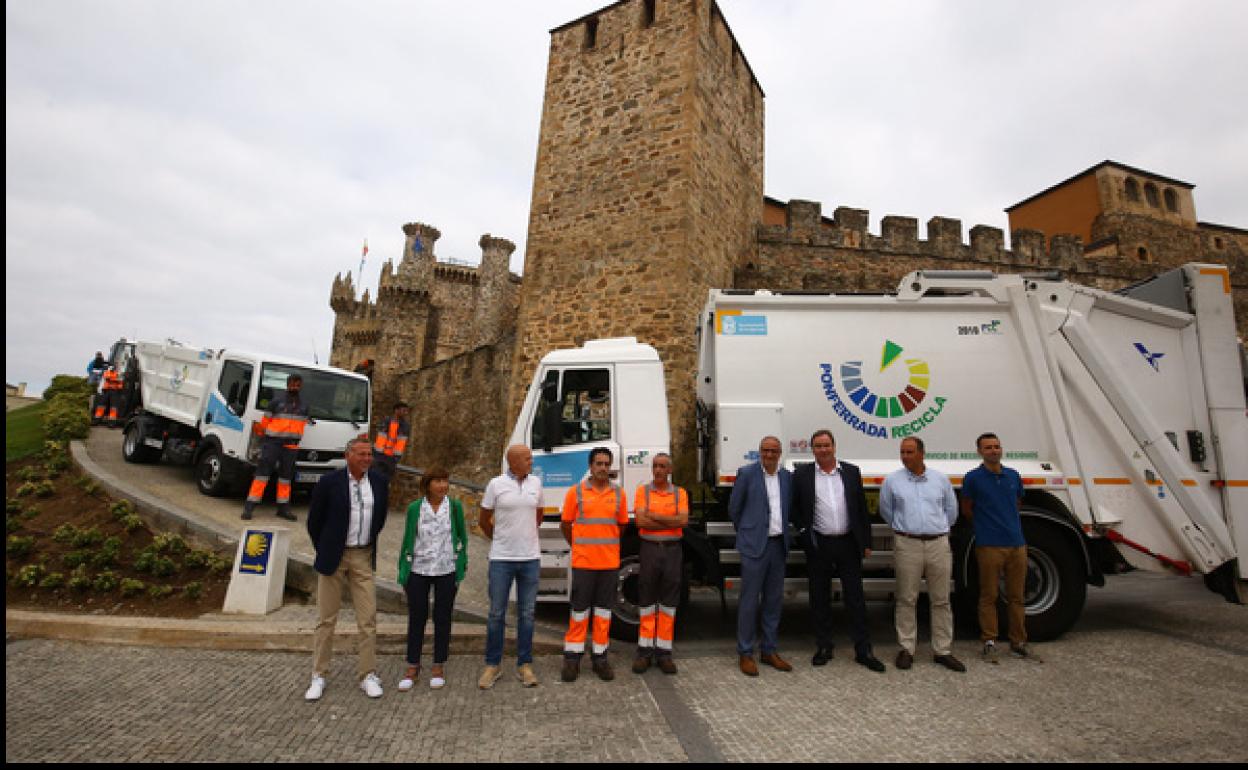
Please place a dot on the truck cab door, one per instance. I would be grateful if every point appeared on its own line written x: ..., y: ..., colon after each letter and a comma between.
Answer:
x: 574, y: 413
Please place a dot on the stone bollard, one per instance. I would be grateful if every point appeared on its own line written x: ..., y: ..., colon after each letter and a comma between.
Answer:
x: 259, y: 575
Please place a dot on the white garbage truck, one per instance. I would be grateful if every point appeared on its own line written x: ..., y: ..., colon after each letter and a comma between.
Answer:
x: 200, y: 406
x: 1124, y: 413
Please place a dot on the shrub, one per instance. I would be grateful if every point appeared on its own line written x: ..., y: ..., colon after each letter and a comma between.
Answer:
x: 87, y: 537
x: 121, y: 509
x: 53, y: 450
x: 66, y: 418
x: 108, y: 553
x: 65, y: 533
x: 44, y: 489
x: 30, y: 473
x: 12, y: 524
x: 131, y: 522
x: 105, y: 581
x: 194, y: 589
x: 54, y: 466
x: 168, y: 542
x: 130, y: 586
x: 29, y: 576
x: 196, y: 559
x: 75, y: 559
x: 52, y: 580
x: 218, y: 563
x: 79, y: 387
x: 30, y: 512
x: 160, y: 592
x: 19, y: 546
x: 12, y: 505
x: 79, y: 580
x: 25, y: 489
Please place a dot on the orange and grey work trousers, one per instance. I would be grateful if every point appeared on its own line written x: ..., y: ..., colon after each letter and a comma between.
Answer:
x: 592, y: 590
x: 993, y: 560
x: 658, y: 589
x: 274, y: 456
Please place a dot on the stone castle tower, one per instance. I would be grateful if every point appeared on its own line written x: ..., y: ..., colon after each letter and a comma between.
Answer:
x: 426, y: 311
x: 648, y: 187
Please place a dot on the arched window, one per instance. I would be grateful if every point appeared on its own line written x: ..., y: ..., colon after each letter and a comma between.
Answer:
x: 1141, y: 254
x: 1150, y: 195
x: 1133, y: 189
x: 1172, y: 200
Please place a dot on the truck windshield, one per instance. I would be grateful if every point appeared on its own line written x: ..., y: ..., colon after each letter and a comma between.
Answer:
x: 329, y: 396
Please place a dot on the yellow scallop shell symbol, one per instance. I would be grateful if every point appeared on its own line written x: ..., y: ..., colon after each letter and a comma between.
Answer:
x: 257, y: 544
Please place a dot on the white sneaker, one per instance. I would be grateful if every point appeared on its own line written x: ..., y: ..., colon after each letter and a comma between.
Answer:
x: 371, y: 685
x: 316, y: 689
x: 409, y: 678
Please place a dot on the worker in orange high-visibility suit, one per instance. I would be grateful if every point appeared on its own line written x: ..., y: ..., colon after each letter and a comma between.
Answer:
x: 594, y: 514
x: 391, y: 441
x: 282, y: 427
x: 109, y: 399
x: 662, y: 510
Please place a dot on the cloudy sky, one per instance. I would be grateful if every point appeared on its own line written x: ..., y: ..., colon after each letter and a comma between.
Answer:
x: 201, y: 170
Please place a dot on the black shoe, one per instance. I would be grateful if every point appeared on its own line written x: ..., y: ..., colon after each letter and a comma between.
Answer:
x: 571, y: 669
x: 822, y: 656
x: 287, y: 515
x: 904, y: 660
x: 951, y: 663
x: 871, y: 662
x: 667, y: 665
x: 602, y: 667
x: 246, y: 515
x: 640, y: 664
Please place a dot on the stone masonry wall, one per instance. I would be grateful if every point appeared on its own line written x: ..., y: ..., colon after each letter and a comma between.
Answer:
x: 646, y: 189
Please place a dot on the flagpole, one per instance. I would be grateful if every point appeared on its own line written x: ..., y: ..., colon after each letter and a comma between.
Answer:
x: 360, y: 276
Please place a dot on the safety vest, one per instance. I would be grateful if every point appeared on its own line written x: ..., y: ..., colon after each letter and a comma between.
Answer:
x: 285, y: 420
x: 112, y: 380
x: 392, y: 441
x: 596, y: 532
x: 672, y: 533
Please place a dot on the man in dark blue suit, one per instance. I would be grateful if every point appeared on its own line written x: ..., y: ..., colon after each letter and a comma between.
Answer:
x: 759, y: 508
x: 345, y: 516
x: 831, y: 519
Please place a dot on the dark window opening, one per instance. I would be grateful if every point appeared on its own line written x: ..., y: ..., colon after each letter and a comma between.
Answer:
x: 1142, y: 254
x: 1172, y: 200
x: 591, y: 33
x: 647, y: 13
x: 1150, y: 194
x: 1133, y: 190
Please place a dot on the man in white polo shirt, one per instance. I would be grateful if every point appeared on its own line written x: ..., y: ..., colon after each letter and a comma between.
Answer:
x: 511, y: 515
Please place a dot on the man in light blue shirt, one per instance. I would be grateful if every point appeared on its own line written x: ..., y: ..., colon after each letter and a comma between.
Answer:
x: 919, y: 504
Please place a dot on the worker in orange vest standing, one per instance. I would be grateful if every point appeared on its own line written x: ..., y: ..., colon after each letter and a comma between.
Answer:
x: 109, y: 399
x: 662, y: 510
x: 282, y: 427
x: 391, y: 441
x: 595, y: 513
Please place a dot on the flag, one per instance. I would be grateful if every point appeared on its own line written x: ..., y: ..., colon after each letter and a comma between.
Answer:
x: 365, y: 252
x: 417, y: 246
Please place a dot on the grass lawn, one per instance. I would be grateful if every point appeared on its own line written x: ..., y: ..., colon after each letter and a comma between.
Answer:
x: 23, y: 431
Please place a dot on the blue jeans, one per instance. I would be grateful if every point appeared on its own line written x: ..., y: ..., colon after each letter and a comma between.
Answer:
x: 502, y: 573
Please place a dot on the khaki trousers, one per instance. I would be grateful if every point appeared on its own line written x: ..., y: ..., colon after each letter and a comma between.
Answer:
x: 914, y: 560
x: 993, y: 560
x: 355, y: 571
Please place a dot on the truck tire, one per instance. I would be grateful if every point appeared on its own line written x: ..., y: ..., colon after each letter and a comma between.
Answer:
x: 212, y: 472
x: 1056, y: 585
x: 133, y: 448
x: 625, y: 615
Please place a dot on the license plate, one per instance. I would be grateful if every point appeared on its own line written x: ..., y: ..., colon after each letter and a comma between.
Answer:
x: 308, y: 477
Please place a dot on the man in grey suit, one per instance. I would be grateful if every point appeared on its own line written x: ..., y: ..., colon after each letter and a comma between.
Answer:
x: 759, y: 508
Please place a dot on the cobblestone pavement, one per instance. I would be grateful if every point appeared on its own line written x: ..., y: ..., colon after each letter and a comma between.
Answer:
x: 1156, y: 670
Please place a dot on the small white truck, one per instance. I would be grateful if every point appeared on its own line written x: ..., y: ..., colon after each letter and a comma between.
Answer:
x: 199, y: 406
x: 1124, y: 412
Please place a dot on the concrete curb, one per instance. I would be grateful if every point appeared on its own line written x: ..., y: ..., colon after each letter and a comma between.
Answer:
x: 230, y: 634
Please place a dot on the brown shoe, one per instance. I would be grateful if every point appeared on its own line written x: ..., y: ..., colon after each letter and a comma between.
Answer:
x: 667, y: 665
x: 775, y: 661
x: 640, y: 664
x: 748, y: 666
x: 602, y: 667
x: 571, y: 669
x: 904, y: 660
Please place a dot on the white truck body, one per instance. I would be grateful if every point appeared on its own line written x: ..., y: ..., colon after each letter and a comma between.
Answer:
x: 1123, y: 412
x: 202, y: 404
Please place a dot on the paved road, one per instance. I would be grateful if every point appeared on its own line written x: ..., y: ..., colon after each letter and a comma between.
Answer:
x: 1156, y: 670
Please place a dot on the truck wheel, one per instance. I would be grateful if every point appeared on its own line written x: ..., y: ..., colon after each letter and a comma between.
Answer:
x: 1055, y: 590
x: 211, y: 475
x: 133, y: 450
x: 625, y: 615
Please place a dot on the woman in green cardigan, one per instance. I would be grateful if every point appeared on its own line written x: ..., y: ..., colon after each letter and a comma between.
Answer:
x: 433, y: 557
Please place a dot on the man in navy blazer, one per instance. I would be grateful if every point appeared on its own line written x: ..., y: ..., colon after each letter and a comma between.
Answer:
x: 759, y: 507
x: 345, y: 516
x: 831, y: 518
